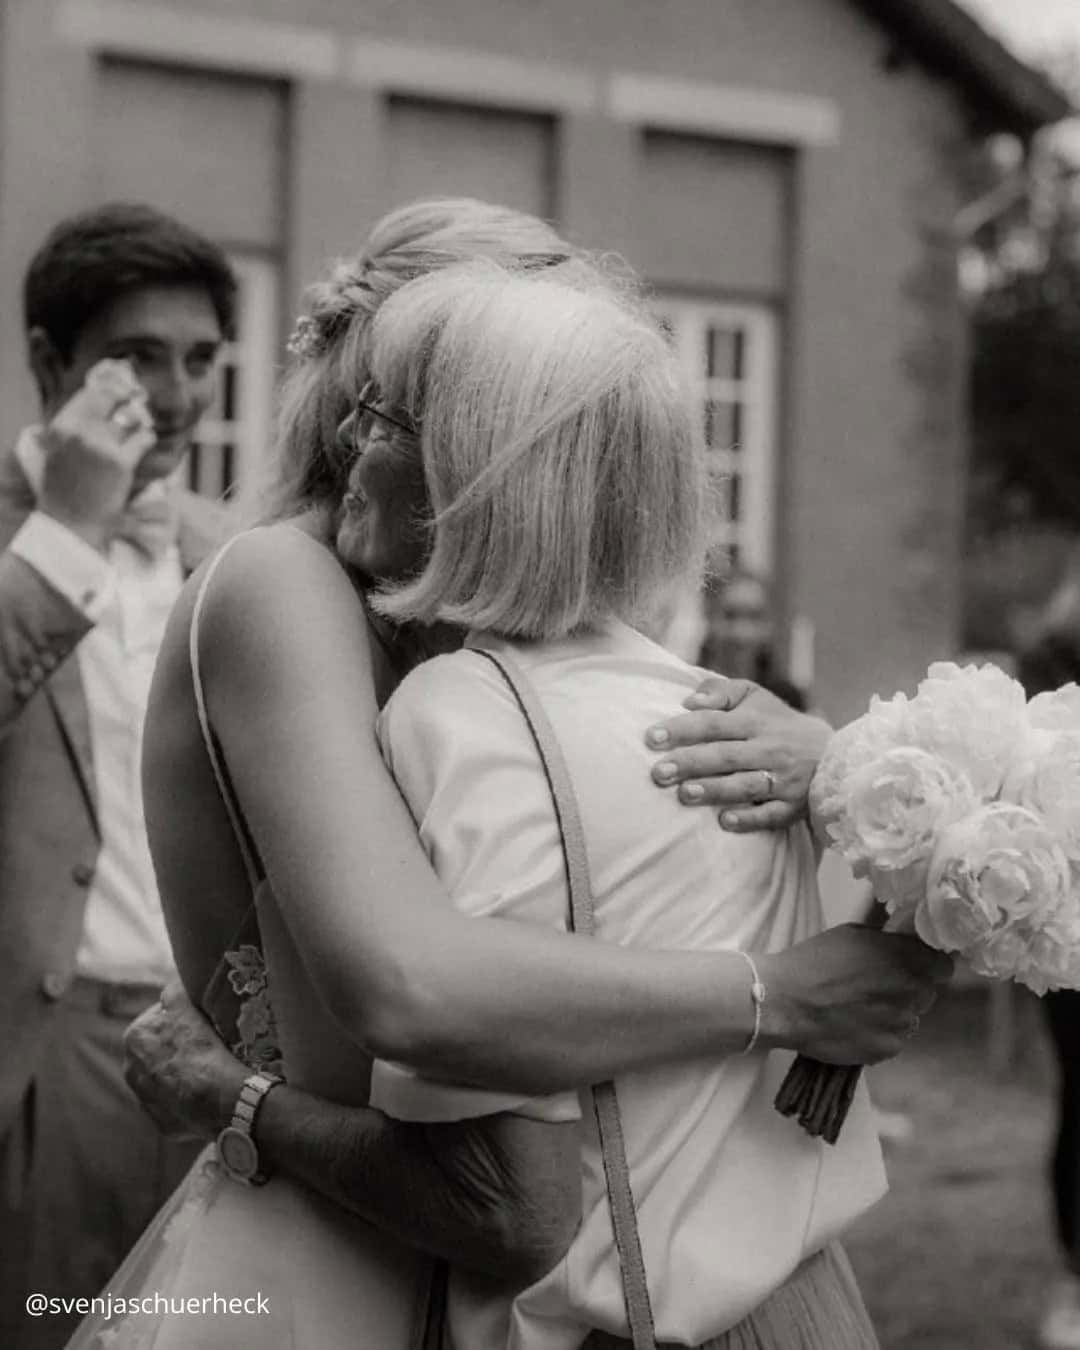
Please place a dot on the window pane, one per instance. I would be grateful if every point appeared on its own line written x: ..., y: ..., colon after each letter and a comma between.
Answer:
x: 723, y: 424
x: 729, y: 497
x: 724, y: 357
x: 229, y: 406
x: 723, y: 560
x: 726, y: 352
x: 234, y: 434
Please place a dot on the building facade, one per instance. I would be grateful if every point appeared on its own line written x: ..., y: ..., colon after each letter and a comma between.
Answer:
x: 785, y: 174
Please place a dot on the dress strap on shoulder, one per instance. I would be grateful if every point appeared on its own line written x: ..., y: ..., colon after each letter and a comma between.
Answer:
x: 225, y: 788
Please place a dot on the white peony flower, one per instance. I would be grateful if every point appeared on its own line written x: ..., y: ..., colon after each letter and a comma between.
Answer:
x: 896, y: 805
x: 900, y: 890
x: 1004, y: 955
x: 974, y: 716
x: 1051, y: 963
x: 1039, y: 960
x: 909, y: 795
x: 998, y: 868
x: 1045, y: 778
x: 1055, y: 710
x: 882, y: 728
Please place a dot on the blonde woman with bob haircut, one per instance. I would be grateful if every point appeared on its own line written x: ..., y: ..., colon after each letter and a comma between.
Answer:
x: 539, y: 456
x: 262, y: 722
x: 566, y: 495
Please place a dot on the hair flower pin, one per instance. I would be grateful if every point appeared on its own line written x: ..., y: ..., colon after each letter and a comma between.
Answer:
x: 306, y: 338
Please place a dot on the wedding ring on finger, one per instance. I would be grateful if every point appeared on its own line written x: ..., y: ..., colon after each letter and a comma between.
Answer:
x: 770, y: 787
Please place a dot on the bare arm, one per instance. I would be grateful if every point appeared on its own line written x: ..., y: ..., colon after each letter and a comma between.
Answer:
x: 288, y: 671
x: 286, y: 659
x: 500, y: 1195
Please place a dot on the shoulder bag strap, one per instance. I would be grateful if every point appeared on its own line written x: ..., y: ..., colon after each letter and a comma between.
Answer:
x: 605, y: 1103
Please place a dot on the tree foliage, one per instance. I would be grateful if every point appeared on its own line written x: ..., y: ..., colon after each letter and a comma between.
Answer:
x: 1025, y: 382
x: 1021, y: 271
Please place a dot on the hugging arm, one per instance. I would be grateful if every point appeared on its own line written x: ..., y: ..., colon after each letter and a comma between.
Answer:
x: 506, y: 1005
x: 287, y: 667
x: 500, y: 1196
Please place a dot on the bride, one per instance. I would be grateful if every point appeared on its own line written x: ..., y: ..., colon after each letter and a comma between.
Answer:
x: 263, y: 710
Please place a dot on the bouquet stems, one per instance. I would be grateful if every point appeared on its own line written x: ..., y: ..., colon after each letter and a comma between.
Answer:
x: 820, y: 1095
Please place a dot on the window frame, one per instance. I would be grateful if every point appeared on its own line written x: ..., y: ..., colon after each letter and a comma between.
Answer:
x: 251, y: 361
x: 755, y: 391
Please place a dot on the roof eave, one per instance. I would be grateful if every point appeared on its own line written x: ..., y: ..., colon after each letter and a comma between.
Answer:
x: 1008, y: 94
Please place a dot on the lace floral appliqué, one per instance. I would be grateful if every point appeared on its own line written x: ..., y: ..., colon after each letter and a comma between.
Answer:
x: 258, y: 1044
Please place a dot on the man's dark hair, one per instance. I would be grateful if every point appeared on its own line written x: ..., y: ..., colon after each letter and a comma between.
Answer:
x: 89, y: 260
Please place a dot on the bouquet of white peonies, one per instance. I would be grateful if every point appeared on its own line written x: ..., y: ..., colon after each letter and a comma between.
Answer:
x: 961, y: 806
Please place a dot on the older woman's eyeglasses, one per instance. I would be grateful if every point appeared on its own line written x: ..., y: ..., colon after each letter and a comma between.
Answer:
x: 354, y: 434
x: 368, y: 413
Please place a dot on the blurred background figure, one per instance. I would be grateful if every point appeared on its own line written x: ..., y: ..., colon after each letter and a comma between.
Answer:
x: 740, y: 635
x: 125, y: 312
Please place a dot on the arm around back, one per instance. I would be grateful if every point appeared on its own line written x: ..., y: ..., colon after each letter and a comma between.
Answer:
x: 287, y: 669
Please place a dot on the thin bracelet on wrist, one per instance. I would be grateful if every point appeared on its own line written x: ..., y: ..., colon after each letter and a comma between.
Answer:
x: 757, y: 997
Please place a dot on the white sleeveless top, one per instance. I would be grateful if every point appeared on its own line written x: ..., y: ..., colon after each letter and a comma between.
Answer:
x: 731, y: 1196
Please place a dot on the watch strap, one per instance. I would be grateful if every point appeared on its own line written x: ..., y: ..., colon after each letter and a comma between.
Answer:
x: 252, y: 1095
x: 255, y: 1088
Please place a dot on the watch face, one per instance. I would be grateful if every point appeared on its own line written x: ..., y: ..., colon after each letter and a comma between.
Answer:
x: 237, y: 1152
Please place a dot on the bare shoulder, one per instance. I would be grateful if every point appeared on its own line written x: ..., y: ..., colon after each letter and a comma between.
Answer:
x: 273, y: 561
x: 276, y: 589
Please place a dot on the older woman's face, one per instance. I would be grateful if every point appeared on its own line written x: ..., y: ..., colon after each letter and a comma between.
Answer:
x: 382, y: 530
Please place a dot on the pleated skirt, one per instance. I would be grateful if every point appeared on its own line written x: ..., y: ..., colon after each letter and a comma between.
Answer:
x: 818, y: 1308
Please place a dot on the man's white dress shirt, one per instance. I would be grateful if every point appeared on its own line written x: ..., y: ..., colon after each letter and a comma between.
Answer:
x: 127, y: 596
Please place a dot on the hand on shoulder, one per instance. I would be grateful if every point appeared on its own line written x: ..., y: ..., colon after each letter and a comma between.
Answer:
x: 742, y: 749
